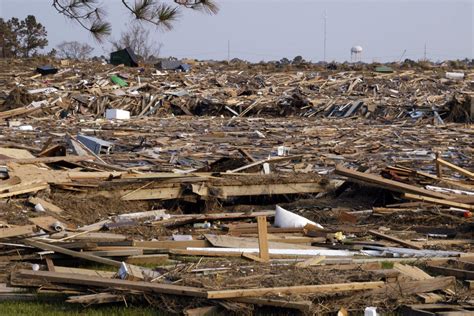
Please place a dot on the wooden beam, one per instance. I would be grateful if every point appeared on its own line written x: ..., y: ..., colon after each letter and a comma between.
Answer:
x: 439, y: 168
x: 451, y: 166
x: 91, y: 281
x: 413, y: 287
x: 99, y: 298
x: 177, y: 220
x: 18, y: 111
x: 261, y: 162
x: 116, y: 253
x: 443, y: 202
x: 205, y: 253
x: 27, y: 188
x: 171, y: 244
x: 225, y: 191
x: 88, y: 272
x: 263, y: 238
x: 299, y: 289
x: 246, y: 154
x: 47, y: 205
x: 50, y: 264
x: 458, y: 273
x: 47, y: 159
x: 388, y: 184
x: 165, y: 193
x: 17, y: 231
x: 76, y: 254
x: 310, y: 262
x: 253, y: 257
x: 395, y: 239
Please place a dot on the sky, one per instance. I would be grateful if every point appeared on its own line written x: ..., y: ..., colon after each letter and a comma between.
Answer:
x: 255, y: 30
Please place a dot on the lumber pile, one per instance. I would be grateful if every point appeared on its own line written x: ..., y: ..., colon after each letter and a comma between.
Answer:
x: 308, y: 193
x: 238, y: 90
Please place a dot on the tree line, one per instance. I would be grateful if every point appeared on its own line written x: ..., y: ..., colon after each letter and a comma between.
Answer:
x: 25, y: 38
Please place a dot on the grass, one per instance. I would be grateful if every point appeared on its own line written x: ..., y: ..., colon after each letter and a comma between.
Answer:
x: 35, y: 308
x: 387, y: 264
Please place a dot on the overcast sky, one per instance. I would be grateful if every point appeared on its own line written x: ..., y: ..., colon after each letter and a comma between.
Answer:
x: 273, y: 29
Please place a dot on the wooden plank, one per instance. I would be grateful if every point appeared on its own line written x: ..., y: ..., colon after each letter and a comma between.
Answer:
x: 47, y: 159
x: 27, y: 188
x: 438, y: 201
x: 177, y: 220
x: 225, y: 241
x: 9, y: 183
x: 88, y: 272
x: 263, y: 238
x: 171, y: 244
x: 246, y: 154
x: 116, y: 253
x: 273, y: 230
x: 99, y: 175
x: 412, y: 272
x: 50, y: 264
x: 470, y: 284
x: 47, y: 205
x: 261, y: 162
x: 99, y: 298
x: 18, y: 111
x: 253, y: 257
x: 458, y: 273
x: 439, y: 169
x: 458, y: 169
x: 89, y: 236
x: 310, y: 262
x: 225, y: 191
x: 92, y: 281
x: 413, y: 287
x: 44, y: 222
x: 299, y: 289
x: 17, y: 231
x: 76, y: 254
x: 388, y: 184
x: 205, y: 253
x: 152, y: 194
x: 395, y: 239
x: 30, y: 173
x: 186, y: 252
x: 430, y: 298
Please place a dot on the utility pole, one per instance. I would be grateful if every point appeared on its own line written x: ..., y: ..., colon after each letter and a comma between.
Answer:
x: 325, y: 24
x: 228, y: 51
x: 424, y: 58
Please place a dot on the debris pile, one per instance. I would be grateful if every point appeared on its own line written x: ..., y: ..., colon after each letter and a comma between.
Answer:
x: 364, y: 204
x: 90, y: 88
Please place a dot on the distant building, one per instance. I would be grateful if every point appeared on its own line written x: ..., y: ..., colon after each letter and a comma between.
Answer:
x: 124, y: 56
x: 168, y: 64
x: 46, y: 70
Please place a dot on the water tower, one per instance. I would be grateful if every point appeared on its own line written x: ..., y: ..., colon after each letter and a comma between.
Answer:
x: 356, y: 53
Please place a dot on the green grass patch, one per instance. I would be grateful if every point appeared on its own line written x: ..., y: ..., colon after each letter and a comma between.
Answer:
x: 387, y: 264
x: 35, y: 308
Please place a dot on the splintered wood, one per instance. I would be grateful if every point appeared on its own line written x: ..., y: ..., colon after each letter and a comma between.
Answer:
x: 239, y: 188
